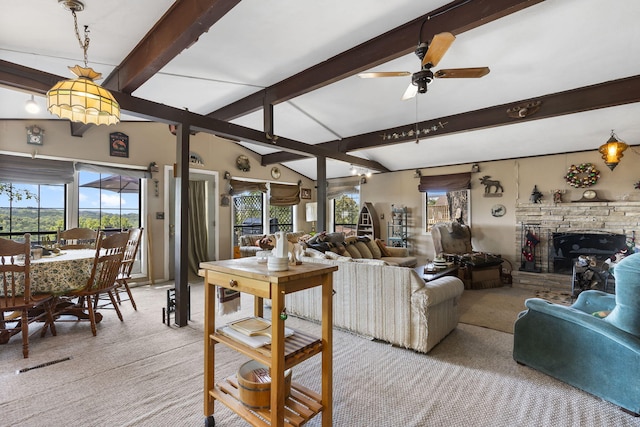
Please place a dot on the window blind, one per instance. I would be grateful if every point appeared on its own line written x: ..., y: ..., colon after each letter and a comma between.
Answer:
x: 35, y: 171
x: 451, y: 182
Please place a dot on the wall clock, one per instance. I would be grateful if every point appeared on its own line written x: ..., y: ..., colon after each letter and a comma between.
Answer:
x: 35, y: 135
x: 590, y: 196
x: 242, y: 162
x: 498, y: 210
x: 275, y: 173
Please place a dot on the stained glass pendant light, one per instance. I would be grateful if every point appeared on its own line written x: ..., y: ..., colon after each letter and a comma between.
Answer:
x: 612, y: 151
x: 81, y: 99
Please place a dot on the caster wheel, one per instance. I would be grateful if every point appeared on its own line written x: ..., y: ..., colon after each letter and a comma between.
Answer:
x: 209, y: 421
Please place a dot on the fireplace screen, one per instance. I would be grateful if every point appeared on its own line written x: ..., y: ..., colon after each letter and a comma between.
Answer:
x: 566, y: 247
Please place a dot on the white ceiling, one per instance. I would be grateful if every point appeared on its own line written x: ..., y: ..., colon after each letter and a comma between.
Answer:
x: 550, y: 47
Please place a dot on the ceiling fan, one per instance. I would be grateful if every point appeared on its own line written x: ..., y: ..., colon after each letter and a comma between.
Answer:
x: 430, y: 55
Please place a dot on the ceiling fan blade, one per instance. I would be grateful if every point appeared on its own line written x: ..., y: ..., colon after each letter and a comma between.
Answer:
x: 437, y: 48
x: 373, y: 75
x: 461, y: 73
x: 411, y: 92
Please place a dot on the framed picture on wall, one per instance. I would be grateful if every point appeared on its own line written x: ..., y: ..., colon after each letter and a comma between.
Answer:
x: 305, y: 193
x: 118, y: 144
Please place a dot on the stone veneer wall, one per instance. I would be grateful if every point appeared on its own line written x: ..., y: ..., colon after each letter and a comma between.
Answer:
x: 622, y: 217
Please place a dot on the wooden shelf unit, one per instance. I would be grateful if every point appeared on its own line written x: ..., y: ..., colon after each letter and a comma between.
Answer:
x: 368, y: 222
x: 246, y: 275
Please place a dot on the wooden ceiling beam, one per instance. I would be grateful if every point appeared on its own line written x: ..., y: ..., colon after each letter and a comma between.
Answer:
x: 602, y: 95
x: 179, y: 28
x: 17, y: 76
x: 456, y: 17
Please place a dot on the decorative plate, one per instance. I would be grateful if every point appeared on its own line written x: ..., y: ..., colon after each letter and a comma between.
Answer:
x: 498, y: 210
x: 275, y: 173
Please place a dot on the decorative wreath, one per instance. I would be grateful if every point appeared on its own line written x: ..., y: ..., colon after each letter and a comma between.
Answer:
x: 582, y: 176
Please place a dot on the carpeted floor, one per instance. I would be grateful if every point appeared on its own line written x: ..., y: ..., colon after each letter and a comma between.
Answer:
x: 498, y: 308
x: 141, y: 372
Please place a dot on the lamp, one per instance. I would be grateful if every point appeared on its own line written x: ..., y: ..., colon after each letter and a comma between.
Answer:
x: 312, y: 214
x: 612, y: 151
x: 80, y: 99
x: 32, y: 106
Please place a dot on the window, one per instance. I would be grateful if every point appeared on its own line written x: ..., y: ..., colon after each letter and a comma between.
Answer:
x: 446, y: 198
x: 280, y: 218
x: 247, y: 215
x: 40, y: 215
x: 108, y: 202
x: 345, y: 212
x: 443, y: 206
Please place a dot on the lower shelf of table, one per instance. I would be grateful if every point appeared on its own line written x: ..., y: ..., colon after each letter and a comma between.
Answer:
x: 301, y: 405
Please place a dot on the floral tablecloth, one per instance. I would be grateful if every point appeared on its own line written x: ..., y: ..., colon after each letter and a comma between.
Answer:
x: 59, y: 274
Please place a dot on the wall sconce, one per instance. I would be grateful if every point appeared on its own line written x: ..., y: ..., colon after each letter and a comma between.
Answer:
x: 612, y: 151
x: 31, y: 106
x: 363, y: 180
x: 475, y: 168
x: 417, y: 174
x: 227, y: 175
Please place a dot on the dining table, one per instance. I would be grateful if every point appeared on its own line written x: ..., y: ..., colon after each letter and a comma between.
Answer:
x: 58, y: 274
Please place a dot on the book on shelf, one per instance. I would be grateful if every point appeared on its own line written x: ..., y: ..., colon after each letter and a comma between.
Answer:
x: 252, y: 331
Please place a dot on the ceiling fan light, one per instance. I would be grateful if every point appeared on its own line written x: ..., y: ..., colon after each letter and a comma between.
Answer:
x: 612, y: 151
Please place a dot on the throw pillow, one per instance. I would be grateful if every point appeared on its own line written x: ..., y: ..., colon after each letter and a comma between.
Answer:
x: 364, y: 250
x: 383, y: 248
x: 375, y: 250
x: 353, y: 251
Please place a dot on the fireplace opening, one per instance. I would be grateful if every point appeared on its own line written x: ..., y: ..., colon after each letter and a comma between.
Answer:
x: 566, y: 247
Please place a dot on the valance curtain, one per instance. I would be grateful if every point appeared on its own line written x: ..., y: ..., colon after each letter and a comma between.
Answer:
x: 239, y: 187
x: 131, y: 173
x: 26, y: 170
x: 452, y: 182
x: 336, y: 189
x: 284, y: 195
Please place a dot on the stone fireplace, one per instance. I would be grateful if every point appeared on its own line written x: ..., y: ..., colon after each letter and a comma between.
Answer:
x: 567, y: 230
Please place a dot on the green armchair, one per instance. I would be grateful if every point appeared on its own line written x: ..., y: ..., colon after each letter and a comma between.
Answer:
x: 573, y: 344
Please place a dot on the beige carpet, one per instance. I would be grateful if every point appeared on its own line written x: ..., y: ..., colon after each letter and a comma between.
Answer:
x: 494, y: 308
x: 142, y: 373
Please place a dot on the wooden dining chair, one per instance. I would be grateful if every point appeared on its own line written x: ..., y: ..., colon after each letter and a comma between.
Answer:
x: 106, y: 266
x: 17, y: 304
x: 130, y: 253
x: 77, y: 238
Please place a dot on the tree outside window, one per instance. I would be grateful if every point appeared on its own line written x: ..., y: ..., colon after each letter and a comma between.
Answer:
x: 444, y: 206
x: 36, y: 209
x: 345, y: 213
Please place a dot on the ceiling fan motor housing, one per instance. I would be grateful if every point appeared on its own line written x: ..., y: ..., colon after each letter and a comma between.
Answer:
x: 421, y: 79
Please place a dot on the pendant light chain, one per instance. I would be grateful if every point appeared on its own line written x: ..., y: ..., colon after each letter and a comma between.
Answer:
x: 85, y: 45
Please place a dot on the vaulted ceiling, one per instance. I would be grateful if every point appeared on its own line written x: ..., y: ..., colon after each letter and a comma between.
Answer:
x: 280, y: 76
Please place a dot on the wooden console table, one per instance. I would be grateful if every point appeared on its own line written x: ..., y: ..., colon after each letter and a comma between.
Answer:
x: 246, y: 275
